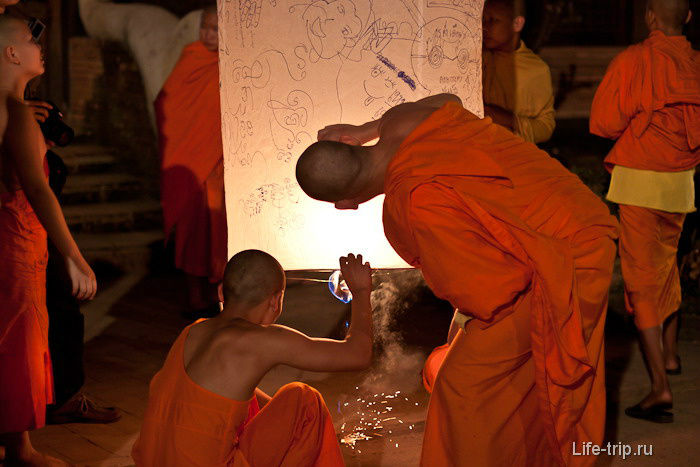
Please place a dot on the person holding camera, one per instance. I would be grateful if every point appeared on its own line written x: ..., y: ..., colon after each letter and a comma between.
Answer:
x: 66, y: 322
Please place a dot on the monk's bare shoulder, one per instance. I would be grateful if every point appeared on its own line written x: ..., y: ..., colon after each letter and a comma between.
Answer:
x: 21, y: 124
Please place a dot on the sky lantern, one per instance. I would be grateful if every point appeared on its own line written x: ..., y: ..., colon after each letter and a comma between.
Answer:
x: 288, y: 68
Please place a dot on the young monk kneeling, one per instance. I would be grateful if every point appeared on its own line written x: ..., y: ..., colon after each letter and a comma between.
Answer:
x: 203, y: 404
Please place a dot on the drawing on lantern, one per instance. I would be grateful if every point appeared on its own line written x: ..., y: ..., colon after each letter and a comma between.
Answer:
x: 290, y: 118
x: 290, y: 67
x: 445, y: 44
x: 333, y: 27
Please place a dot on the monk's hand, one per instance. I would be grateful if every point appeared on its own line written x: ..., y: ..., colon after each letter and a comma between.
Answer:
x: 343, y: 133
x: 357, y: 275
x: 40, y: 109
x: 83, y: 281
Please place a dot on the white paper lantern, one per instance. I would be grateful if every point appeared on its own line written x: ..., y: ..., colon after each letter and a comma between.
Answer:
x: 290, y: 67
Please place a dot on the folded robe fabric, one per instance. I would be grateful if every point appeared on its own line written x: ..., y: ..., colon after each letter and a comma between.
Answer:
x: 188, y: 116
x: 648, y: 246
x: 26, y: 381
x: 188, y: 425
x: 649, y: 101
x: 514, y: 240
x: 432, y: 366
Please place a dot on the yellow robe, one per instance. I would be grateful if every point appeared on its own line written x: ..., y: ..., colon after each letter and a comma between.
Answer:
x: 521, y: 83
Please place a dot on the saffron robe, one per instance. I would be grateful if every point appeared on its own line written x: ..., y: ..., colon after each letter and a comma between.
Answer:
x: 188, y: 115
x: 521, y: 83
x: 188, y: 425
x: 515, y: 241
x: 26, y: 381
x: 649, y: 101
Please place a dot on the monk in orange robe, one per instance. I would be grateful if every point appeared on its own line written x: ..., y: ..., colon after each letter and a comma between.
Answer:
x: 517, y: 244
x: 203, y: 404
x: 28, y: 211
x: 649, y: 101
x: 192, y: 179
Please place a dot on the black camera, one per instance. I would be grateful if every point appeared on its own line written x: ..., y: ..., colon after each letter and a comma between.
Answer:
x: 55, y: 129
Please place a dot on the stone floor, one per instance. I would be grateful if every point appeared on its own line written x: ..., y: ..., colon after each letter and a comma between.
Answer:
x: 134, y: 329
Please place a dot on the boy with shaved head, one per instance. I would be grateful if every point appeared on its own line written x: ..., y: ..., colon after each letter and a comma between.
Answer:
x: 649, y: 101
x: 28, y: 212
x: 188, y: 116
x: 203, y: 404
x: 487, y: 217
x: 517, y: 85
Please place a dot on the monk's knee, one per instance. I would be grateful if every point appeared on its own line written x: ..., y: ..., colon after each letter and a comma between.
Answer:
x: 301, y: 394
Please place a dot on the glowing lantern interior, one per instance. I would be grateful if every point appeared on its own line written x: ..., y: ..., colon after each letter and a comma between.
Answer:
x: 289, y: 68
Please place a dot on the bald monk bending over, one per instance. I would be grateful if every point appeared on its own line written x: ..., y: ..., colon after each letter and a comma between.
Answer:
x: 28, y: 211
x: 203, y: 404
x: 192, y: 178
x: 649, y: 101
x: 516, y: 243
x: 517, y: 84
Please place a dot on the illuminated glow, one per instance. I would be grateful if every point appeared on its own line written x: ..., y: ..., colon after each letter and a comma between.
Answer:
x: 339, y: 288
x: 288, y: 69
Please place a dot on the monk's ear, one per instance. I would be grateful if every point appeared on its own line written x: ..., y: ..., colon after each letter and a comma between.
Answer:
x: 690, y: 15
x: 10, y: 54
x: 518, y: 24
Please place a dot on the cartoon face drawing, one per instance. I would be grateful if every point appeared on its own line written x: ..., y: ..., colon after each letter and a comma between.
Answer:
x: 332, y: 26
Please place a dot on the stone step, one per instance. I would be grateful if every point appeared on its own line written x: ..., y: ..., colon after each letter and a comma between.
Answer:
x: 143, y: 214
x: 129, y: 251
x: 100, y: 187
x: 87, y: 158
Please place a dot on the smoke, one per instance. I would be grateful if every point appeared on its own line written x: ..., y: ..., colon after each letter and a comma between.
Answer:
x: 397, y: 367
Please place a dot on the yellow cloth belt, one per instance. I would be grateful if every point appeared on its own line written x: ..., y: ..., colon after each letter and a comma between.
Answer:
x: 665, y: 191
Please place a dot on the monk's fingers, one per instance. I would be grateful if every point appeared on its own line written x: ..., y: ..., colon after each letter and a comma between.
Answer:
x: 80, y: 286
x: 41, y: 114
x: 42, y: 104
x: 93, y: 289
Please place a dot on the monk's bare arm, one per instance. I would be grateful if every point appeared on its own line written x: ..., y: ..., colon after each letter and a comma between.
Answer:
x: 262, y: 397
x: 361, y: 134
x: 23, y: 143
x: 287, y: 346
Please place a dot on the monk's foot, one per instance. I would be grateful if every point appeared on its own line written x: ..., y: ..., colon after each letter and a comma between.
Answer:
x: 673, y: 365
x: 662, y: 399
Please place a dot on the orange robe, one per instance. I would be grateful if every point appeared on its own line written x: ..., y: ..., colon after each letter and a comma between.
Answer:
x: 26, y: 381
x: 514, y: 240
x: 187, y: 425
x: 432, y: 366
x: 649, y: 101
x: 188, y: 115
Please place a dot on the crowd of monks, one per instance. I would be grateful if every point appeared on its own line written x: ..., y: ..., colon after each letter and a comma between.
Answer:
x: 520, y: 247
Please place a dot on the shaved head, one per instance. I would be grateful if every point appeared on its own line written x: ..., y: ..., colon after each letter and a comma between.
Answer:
x: 515, y: 7
x: 251, y: 277
x: 10, y: 28
x: 210, y: 9
x: 672, y: 13
x: 328, y: 170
